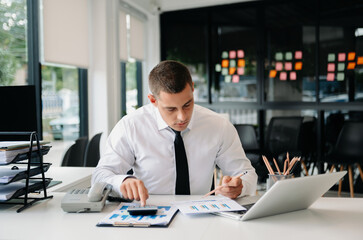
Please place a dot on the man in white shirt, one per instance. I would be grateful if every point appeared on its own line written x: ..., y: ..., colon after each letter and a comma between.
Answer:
x: 144, y: 141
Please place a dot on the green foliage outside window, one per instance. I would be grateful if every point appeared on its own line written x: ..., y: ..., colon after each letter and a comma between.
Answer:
x: 13, y: 55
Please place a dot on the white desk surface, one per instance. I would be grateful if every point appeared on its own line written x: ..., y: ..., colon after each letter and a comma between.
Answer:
x: 71, y: 177
x: 328, y: 218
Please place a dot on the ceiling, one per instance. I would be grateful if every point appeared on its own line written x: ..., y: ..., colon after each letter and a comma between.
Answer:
x: 154, y: 6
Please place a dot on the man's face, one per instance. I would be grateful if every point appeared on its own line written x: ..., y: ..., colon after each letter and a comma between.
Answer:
x: 175, y: 108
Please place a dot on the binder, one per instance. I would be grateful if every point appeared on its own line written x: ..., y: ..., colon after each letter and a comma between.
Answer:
x: 121, y: 218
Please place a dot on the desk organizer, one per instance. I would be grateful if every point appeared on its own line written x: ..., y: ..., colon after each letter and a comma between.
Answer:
x: 33, y: 160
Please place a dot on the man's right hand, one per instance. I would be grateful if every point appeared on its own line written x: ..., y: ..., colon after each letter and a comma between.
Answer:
x: 134, y: 189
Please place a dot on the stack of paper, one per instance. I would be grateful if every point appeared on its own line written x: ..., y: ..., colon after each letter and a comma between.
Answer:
x: 9, y: 150
x: 7, y: 191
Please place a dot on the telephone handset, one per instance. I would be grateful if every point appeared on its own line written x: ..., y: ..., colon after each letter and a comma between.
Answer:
x: 86, y: 200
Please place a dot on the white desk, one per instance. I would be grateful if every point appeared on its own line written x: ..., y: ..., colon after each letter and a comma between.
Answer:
x: 71, y: 177
x: 328, y: 218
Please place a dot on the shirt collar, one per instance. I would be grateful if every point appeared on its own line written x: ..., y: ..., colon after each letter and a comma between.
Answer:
x: 159, y: 119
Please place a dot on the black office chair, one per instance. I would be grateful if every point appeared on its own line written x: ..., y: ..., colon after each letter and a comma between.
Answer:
x: 284, y: 135
x: 92, y: 155
x: 348, y: 152
x: 75, y: 154
x: 247, y: 135
x: 308, y: 144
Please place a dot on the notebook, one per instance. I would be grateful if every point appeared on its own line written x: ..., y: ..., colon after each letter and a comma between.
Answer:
x: 287, y: 196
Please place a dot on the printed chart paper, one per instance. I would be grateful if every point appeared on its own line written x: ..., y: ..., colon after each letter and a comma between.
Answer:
x: 208, y: 206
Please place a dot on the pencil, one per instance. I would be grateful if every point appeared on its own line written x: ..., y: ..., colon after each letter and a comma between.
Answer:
x: 285, y: 165
x: 291, y: 165
x: 277, y: 166
x: 221, y: 186
x: 269, y: 168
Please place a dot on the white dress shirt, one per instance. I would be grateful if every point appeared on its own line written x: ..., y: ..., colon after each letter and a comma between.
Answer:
x: 143, y: 141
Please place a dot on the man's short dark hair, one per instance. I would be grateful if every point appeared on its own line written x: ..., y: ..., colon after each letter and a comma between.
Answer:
x: 170, y: 77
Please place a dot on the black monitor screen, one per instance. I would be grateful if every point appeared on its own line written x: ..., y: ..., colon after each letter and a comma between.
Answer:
x: 17, y: 111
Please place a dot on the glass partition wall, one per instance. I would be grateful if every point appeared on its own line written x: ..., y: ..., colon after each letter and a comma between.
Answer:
x: 263, y: 59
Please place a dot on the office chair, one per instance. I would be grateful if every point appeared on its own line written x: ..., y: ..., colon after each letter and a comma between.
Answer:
x: 75, y: 154
x: 248, y: 138
x: 308, y: 144
x: 348, y: 152
x: 92, y: 155
x: 284, y: 135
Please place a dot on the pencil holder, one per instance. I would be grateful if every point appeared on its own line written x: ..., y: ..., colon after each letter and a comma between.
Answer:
x: 273, y: 178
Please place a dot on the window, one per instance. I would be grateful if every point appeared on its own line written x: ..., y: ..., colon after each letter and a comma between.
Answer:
x: 131, y: 56
x: 13, y: 43
x: 236, y: 63
x: 183, y: 38
x: 341, y: 53
x: 290, y: 36
x: 60, y: 101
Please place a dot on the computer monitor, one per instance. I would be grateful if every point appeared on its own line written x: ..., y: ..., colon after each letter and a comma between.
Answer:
x: 18, y: 111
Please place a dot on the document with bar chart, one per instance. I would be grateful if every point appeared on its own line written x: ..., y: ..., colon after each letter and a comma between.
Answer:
x: 208, y: 206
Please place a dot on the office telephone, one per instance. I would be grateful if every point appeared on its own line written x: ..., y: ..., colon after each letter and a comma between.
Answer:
x: 87, y: 199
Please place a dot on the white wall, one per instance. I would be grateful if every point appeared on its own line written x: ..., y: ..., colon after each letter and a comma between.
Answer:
x: 104, y: 84
x: 104, y: 71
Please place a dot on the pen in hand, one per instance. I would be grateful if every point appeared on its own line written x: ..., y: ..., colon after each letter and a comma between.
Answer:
x: 224, y: 185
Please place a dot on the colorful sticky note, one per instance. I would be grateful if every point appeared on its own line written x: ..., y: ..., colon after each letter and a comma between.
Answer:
x: 293, y: 76
x: 288, y: 66
x: 241, y: 63
x: 272, y: 73
x: 224, y: 71
x: 279, y: 56
x: 278, y: 66
x: 228, y: 79
x: 283, y: 76
x: 218, y: 67
x: 331, y: 57
x: 330, y: 77
x: 235, y: 78
x: 331, y: 67
x: 298, y: 55
x: 240, y: 54
x: 232, y: 70
x: 341, y: 57
x: 340, y: 76
x: 240, y: 71
x: 341, y: 66
x: 225, y: 63
x: 351, y: 65
x: 360, y: 61
x: 232, y: 63
x: 224, y: 54
x: 288, y: 55
x: 298, y: 65
x: 232, y: 54
x: 351, y: 56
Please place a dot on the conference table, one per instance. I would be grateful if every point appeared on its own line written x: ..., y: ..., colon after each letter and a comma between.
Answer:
x: 328, y: 218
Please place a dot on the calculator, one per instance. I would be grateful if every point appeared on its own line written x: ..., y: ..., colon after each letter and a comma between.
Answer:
x: 147, y: 210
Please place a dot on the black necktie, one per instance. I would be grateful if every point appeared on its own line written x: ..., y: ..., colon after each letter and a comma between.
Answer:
x: 182, y: 172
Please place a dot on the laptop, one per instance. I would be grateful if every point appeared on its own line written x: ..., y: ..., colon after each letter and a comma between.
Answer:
x: 287, y: 196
